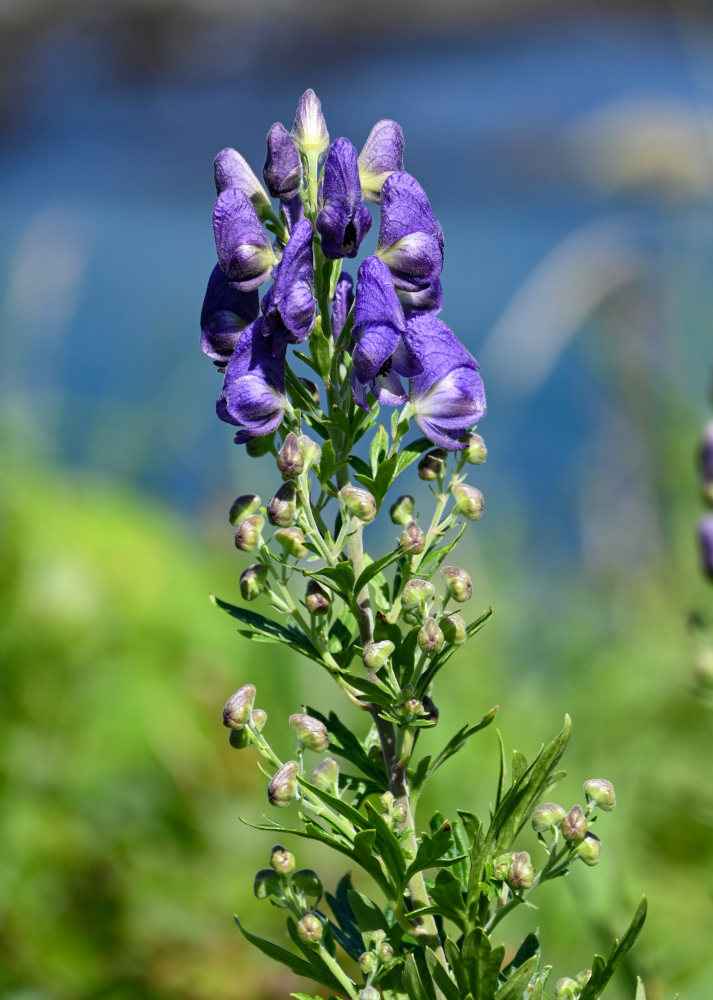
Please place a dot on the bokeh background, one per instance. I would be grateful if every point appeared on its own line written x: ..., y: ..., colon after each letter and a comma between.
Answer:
x: 568, y: 153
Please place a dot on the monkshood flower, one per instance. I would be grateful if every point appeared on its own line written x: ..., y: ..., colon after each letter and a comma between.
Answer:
x: 309, y: 131
x: 283, y: 168
x: 289, y: 305
x: 243, y: 246
x: 293, y: 211
x: 342, y: 303
x: 231, y: 170
x: 224, y: 315
x: 379, y: 356
x: 253, y: 396
x: 344, y: 219
x: 429, y: 299
x: 381, y: 155
x: 410, y: 237
x: 447, y: 398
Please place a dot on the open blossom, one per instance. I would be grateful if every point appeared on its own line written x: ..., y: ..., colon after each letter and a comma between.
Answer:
x: 244, y: 250
x: 381, y: 155
x: 342, y: 303
x: 410, y: 237
x: 448, y: 396
x: 224, y: 315
x: 428, y: 299
x: 344, y: 219
x: 253, y: 396
x: 283, y: 168
x: 289, y: 305
x: 231, y: 170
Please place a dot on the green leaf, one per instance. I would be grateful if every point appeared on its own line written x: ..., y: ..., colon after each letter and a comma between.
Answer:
x: 367, y: 915
x: 304, y: 996
x: 343, y: 633
x: 431, y: 850
x: 412, y: 981
x: 320, y: 351
x: 529, y: 947
x: 339, y: 578
x: 282, y: 955
x: 481, y: 964
x: 347, y: 933
x: 343, y: 743
x: 456, y: 964
x: 387, y: 844
x: 378, y: 693
x: 515, y: 985
x: 447, y: 895
x: 363, y: 852
x: 640, y: 991
x: 411, y: 452
x: 269, y: 630
x: 374, y: 568
x: 460, y: 739
x: 384, y: 477
x: 440, y: 977
x: 339, y: 806
x: 328, y: 461
x: 519, y: 765
x: 603, y: 971
x: 379, y: 449
x: 359, y: 465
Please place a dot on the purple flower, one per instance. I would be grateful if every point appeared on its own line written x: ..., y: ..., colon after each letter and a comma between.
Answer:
x: 231, y: 170
x: 705, y: 542
x: 243, y: 246
x: 342, y: 303
x: 381, y: 155
x: 344, y: 219
x: 293, y: 211
x: 289, y: 305
x: 225, y: 314
x: 448, y: 396
x: 429, y: 299
x: 253, y: 396
x: 410, y: 238
x: 283, y: 168
x: 378, y: 355
x: 309, y: 132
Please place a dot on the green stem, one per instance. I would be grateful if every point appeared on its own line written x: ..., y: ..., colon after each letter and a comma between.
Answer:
x: 338, y: 972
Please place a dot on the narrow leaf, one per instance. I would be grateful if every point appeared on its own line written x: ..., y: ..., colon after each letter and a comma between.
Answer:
x: 269, y: 629
x: 279, y: 954
x: 375, y: 568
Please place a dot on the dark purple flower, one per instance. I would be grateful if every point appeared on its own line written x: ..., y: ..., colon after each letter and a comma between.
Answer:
x: 705, y: 542
x: 309, y: 132
x: 342, y: 303
x: 289, y: 305
x: 293, y: 211
x: 448, y: 396
x: 429, y: 299
x: 225, y: 314
x: 410, y: 238
x: 231, y: 170
x: 344, y: 219
x: 244, y: 250
x: 283, y: 168
x: 378, y: 355
x: 253, y: 396
x: 381, y: 155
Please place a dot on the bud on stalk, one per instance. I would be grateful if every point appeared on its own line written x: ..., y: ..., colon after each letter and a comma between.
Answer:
x: 317, y: 599
x: 589, y: 849
x: 292, y: 540
x: 252, y: 581
x: 311, y: 733
x: 430, y: 638
x: 574, y: 825
x: 547, y: 817
x: 283, y: 785
x: 601, y: 793
x: 475, y: 451
x: 468, y: 500
x: 432, y: 465
x: 238, y: 707
x: 281, y: 509
x: 243, y: 507
x: 309, y: 929
x: 413, y: 539
x: 247, y: 536
x: 376, y: 654
x: 521, y: 874
x: 360, y: 503
x: 416, y: 593
x: 282, y: 860
x: 369, y: 993
x: 402, y: 511
x: 458, y: 583
x: 566, y: 989
x: 454, y: 629
x: 326, y: 775
x: 311, y: 451
x: 290, y: 460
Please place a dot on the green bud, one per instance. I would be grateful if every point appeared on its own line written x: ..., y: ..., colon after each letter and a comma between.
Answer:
x: 416, y: 593
x: 247, y: 536
x: 244, y: 506
x: 432, y: 465
x: 367, y: 963
x: 501, y: 866
x: 385, y: 953
x: 378, y: 937
x: 413, y: 539
x: 360, y: 503
x: 521, y: 874
x: 308, y: 883
x: 238, y: 707
x: 399, y: 814
x: 369, y: 993
x: 430, y: 638
x: 326, y: 776
x: 566, y: 989
x: 258, y: 446
x: 547, y: 817
x: 311, y: 451
x: 252, y: 581
x: 376, y: 654
x: 239, y: 739
x: 258, y: 719
x: 402, y: 511
x: 413, y: 707
x: 267, y: 883
x: 281, y: 509
x: 574, y: 824
x: 290, y: 460
x: 454, y: 629
x: 469, y: 500
x: 475, y: 451
x: 292, y: 541
x: 601, y: 793
x: 589, y: 849
x: 309, y: 929
x: 457, y: 583
x: 386, y: 800
x: 283, y: 785
x: 311, y: 733
x: 317, y: 599
x: 281, y: 860
x: 583, y: 978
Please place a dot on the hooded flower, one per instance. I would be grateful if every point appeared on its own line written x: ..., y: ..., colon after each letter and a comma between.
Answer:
x: 292, y: 211
x: 283, y: 168
x: 429, y: 299
x: 253, y: 396
x: 378, y: 354
x: 448, y: 396
x: 344, y: 219
x: 289, y: 305
x: 309, y: 132
x: 342, y: 303
x: 225, y: 314
x: 244, y: 250
x: 410, y: 238
x: 381, y: 155
x: 231, y: 170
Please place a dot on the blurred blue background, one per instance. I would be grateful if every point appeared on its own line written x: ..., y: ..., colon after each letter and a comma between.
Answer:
x: 569, y: 158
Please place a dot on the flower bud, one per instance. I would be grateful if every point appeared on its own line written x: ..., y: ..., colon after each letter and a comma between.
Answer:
x: 309, y: 132
x: 267, y: 883
x: 566, y: 989
x: 574, y: 824
x: 258, y: 719
x: 387, y: 800
x: 521, y: 874
x: 589, y: 849
x: 311, y: 733
x: 432, y: 465
x: 705, y: 542
x: 283, y: 169
x: 326, y: 776
x: 247, y: 536
x: 583, y: 978
x: 292, y: 540
x: 311, y: 451
x: 376, y: 654
x: 252, y: 580
x: 238, y: 707
x: 281, y: 860
x: 239, y: 739
x: 311, y: 388
x: 258, y: 446
x: 360, y: 503
x: 501, y: 866
x: 309, y: 929
x: 402, y: 510
x: 369, y: 993
x: 290, y: 460
x: 378, y: 937
x: 469, y: 500
x: 385, y: 953
x: 308, y: 883
x: 601, y: 793
x: 316, y: 599
x: 398, y: 814
x: 416, y: 593
x: 413, y: 539
x: 281, y: 509
x: 458, y: 583
x: 430, y: 638
x: 367, y: 962
x: 242, y: 507
x: 547, y: 817
x: 413, y: 707
x: 283, y: 785
x: 475, y: 451
x: 454, y: 629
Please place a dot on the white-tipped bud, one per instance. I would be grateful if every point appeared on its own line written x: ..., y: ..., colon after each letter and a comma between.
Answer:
x: 311, y: 733
x: 309, y: 132
x: 469, y: 500
x: 317, y: 599
x: 416, y: 593
x: 238, y: 707
x: 566, y: 989
x: 282, y: 860
x: 283, y: 785
x: 311, y: 451
x: 359, y: 502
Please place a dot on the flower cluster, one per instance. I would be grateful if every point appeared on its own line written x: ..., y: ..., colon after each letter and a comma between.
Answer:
x: 382, y: 332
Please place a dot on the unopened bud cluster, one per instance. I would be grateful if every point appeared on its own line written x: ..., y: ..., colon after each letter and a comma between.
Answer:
x: 297, y: 890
